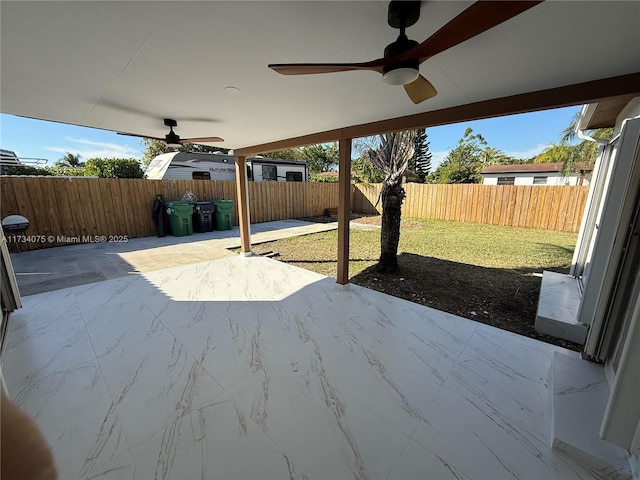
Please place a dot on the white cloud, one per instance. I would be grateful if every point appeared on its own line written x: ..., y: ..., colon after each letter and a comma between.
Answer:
x: 100, y: 150
x: 526, y: 154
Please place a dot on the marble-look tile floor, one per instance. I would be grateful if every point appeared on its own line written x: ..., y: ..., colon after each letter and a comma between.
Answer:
x: 248, y: 368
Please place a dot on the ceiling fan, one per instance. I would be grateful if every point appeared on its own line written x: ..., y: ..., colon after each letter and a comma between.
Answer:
x: 172, y: 139
x: 402, y: 58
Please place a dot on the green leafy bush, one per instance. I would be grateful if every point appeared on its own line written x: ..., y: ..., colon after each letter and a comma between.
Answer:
x: 66, y: 171
x: 323, y: 179
x: 113, y: 168
x: 25, y: 170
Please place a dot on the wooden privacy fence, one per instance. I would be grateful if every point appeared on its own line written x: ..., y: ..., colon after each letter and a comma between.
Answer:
x: 546, y: 207
x: 74, y: 210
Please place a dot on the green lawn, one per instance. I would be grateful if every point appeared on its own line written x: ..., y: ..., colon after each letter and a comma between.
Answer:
x: 490, y: 246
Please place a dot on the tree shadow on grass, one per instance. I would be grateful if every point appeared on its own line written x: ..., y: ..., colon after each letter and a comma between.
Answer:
x: 556, y: 250
x: 503, y: 298
x: 293, y: 262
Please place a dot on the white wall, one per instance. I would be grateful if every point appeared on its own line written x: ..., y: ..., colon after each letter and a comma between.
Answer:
x: 553, y: 178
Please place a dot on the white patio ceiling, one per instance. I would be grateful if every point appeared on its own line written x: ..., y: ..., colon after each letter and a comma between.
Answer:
x: 124, y: 66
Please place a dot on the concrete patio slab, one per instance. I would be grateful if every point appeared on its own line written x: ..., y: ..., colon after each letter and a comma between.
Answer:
x: 249, y: 368
x: 54, y: 268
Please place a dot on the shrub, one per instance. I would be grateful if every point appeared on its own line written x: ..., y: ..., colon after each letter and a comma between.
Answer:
x: 323, y: 179
x: 113, y: 168
x: 66, y: 171
x: 25, y: 170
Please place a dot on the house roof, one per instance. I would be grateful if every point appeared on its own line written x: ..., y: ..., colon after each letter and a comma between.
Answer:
x: 534, y: 168
x: 125, y: 66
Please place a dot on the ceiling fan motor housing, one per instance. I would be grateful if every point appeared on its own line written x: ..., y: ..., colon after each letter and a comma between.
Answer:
x: 401, y: 45
x: 172, y: 139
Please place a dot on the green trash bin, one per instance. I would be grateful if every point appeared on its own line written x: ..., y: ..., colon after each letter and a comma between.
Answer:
x: 223, y: 214
x: 180, y: 213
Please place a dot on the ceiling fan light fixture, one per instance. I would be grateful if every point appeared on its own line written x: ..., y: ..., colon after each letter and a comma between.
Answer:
x: 172, y: 140
x: 400, y: 76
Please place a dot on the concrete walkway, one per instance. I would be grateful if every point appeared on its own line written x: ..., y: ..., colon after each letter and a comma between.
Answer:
x: 60, y: 267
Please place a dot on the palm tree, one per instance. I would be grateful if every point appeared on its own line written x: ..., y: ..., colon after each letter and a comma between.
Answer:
x: 569, y: 134
x: 392, y: 157
x: 565, y: 154
x: 585, y: 151
x: 70, y: 160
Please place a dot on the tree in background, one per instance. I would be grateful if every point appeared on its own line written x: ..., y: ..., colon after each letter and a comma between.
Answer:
x: 70, y: 160
x: 70, y: 166
x: 154, y: 147
x: 464, y: 163
x: 113, y: 168
x: 495, y: 156
x: 287, y: 154
x: 65, y: 171
x: 363, y: 170
x: 25, y: 170
x: 43, y: 171
x: 567, y: 154
x: 315, y: 178
x: 321, y: 158
x: 392, y: 157
x: 420, y: 164
x: 563, y: 153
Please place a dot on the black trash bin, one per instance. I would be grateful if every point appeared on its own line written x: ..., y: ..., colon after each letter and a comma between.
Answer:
x: 203, y: 219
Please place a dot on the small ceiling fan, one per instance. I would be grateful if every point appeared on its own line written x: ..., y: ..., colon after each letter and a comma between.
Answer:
x: 172, y: 139
x: 402, y: 58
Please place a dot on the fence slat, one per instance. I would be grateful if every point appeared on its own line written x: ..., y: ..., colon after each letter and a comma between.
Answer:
x: 97, y: 206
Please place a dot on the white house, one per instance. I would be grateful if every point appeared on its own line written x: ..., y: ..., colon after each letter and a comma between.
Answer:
x: 534, y: 174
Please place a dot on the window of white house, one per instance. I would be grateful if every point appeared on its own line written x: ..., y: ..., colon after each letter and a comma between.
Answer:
x: 506, y: 180
x: 200, y: 175
x: 269, y: 173
x: 539, y: 180
x: 294, y: 176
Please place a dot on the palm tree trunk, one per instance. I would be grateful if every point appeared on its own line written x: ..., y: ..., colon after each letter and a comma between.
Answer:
x: 392, y: 198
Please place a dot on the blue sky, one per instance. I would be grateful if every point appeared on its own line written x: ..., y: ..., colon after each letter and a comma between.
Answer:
x: 521, y: 136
